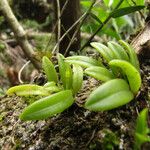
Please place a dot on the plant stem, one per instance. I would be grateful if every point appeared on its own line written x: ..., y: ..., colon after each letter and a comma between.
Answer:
x: 59, y: 23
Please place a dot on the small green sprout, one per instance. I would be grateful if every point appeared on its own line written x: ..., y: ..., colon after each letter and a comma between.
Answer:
x: 142, y: 130
x: 109, y: 140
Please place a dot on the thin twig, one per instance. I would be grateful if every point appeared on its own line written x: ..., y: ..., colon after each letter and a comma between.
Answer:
x: 59, y: 24
x: 62, y: 10
x: 91, y: 138
x: 101, y: 26
x: 62, y: 37
x: 82, y: 17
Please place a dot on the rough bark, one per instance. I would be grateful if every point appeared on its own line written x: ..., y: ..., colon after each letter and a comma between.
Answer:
x: 69, y: 16
x: 141, y: 43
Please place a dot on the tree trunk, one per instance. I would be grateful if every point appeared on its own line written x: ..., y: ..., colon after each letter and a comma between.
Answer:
x: 70, y: 15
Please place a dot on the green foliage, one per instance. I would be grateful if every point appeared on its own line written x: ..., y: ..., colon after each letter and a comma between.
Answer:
x: 52, y: 87
x: 131, y: 73
x: 140, y: 2
x: 118, y: 51
x: 83, y: 61
x: 120, y: 62
x: 121, y: 22
x: 99, y: 73
x: 1, y: 20
x: 109, y: 95
x: 58, y: 94
x: 77, y: 78
x: 30, y: 24
x: 131, y: 53
x: 2, y: 73
x: 105, y: 52
x: 49, y: 69
x: 124, y: 11
x: 48, y: 106
x: 41, y: 42
x: 28, y: 89
x: 142, y: 130
x: 119, y: 71
x: 110, y: 140
x: 65, y: 72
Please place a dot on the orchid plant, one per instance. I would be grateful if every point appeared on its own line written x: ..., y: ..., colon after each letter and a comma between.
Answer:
x: 119, y: 71
x: 120, y: 75
x: 57, y: 95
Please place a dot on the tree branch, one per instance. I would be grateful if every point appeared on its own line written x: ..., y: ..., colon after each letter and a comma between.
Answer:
x: 19, y: 32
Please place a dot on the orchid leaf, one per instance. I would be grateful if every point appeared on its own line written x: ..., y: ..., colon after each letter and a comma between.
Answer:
x: 131, y: 52
x: 83, y: 61
x: 49, y: 69
x: 125, y: 11
x: 118, y: 51
x: 27, y: 90
x: 48, y: 106
x: 142, y: 130
x: 99, y: 73
x: 52, y: 87
x: 65, y: 72
x: 110, y: 95
x: 106, y: 53
x: 77, y: 78
x: 131, y: 72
